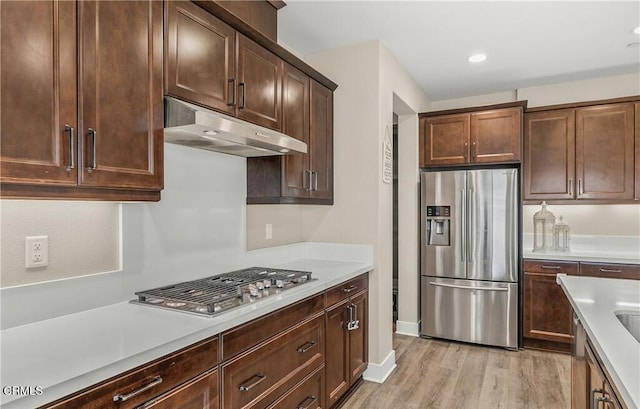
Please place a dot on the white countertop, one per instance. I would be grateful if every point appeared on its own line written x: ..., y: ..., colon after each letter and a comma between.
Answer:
x: 621, y: 257
x: 68, y: 353
x: 595, y: 301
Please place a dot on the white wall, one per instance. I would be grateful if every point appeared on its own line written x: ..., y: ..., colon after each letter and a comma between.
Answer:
x: 600, y: 220
x: 83, y: 238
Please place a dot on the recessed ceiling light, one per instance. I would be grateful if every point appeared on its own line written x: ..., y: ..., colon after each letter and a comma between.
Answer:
x: 477, y: 58
x: 637, y: 30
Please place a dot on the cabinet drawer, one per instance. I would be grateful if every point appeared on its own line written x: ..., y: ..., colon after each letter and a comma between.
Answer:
x: 257, y: 378
x: 201, y: 392
x: 306, y: 395
x: 551, y: 267
x: 164, y: 375
x: 629, y: 271
x: 248, y: 335
x: 345, y: 290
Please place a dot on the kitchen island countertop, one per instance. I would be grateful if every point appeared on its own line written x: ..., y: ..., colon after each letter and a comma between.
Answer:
x: 65, y: 354
x: 595, y: 301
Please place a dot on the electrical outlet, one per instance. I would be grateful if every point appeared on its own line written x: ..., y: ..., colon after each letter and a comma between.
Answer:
x: 36, y: 251
x: 269, y: 231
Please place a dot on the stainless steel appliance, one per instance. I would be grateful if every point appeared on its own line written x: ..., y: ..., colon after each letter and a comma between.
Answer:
x: 470, y: 256
x: 212, y: 295
x: 198, y: 127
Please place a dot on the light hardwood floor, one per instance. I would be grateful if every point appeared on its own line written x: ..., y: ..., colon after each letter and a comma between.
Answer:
x: 449, y: 375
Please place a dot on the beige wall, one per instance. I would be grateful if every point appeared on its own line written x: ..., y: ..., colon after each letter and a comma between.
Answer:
x: 286, y: 222
x: 478, y: 100
x: 84, y: 238
x: 605, y: 220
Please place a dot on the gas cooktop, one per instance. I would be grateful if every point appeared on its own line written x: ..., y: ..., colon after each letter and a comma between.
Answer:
x: 213, y: 295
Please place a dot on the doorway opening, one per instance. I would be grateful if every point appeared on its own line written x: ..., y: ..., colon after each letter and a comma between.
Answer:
x: 395, y: 220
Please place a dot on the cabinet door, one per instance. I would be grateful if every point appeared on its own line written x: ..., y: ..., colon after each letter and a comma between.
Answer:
x: 549, y: 155
x: 321, y: 142
x: 199, y: 393
x: 120, y: 91
x: 259, y: 84
x: 445, y: 140
x: 337, y: 378
x: 38, y: 92
x: 605, y: 152
x: 200, y: 57
x: 295, y: 122
x: 496, y: 135
x: 547, y: 312
x: 358, y: 354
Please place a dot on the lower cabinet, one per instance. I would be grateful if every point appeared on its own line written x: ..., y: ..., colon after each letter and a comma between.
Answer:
x: 546, y: 312
x: 305, y: 356
x: 601, y: 393
x: 199, y: 393
x: 346, y: 332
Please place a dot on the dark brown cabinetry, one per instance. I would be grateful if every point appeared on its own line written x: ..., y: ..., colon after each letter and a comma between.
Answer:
x: 199, y: 57
x: 346, y: 329
x: 488, y: 136
x: 298, y: 178
x: 201, y: 392
x: 140, y: 385
x: 546, y: 310
x: 601, y: 394
x: 580, y: 153
x: 210, y: 63
x: 110, y: 146
x: 637, y: 158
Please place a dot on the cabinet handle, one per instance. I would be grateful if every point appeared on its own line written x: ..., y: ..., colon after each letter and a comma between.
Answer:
x: 604, y: 400
x: 550, y: 267
x: 232, y: 82
x: 580, y: 192
x: 570, y: 187
x: 465, y: 149
x: 93, y: 164
x: 72, y: 156
x: 608, y: 270
x: 259, y: 378
x: 350, y: 288
x: 350, y: 320
x: 307, y: 406
x: 243, y: 95
x: 315, y: 185
x: 307, y: 346
x: 121, y: 398
x: 473, y: 150
x: 308, y: 188
x: 594, y: 400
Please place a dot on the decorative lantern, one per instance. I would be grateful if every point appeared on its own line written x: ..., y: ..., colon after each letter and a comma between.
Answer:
x: 561, y: 236
x: 543, y: 222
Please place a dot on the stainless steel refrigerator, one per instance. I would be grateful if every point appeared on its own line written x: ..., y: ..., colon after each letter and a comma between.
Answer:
x: 469, y: 255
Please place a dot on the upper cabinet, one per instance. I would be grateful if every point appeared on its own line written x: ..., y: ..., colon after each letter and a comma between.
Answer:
x: 458, y: 138
x: 94, y: 133
x: 584, y: 153
x: 298, y: 178
x: 211, y: 64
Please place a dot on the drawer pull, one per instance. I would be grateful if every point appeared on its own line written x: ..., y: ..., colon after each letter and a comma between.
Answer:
x: 259, y: 377
x: 349, y: 289
x: 307, y: 346
x: 122, y: 398
x: 307, y: 406
x: 608, y: 270
x: 550, y: 267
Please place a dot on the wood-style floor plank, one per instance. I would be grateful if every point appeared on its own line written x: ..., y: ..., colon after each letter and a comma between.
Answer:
x: 436, y: 374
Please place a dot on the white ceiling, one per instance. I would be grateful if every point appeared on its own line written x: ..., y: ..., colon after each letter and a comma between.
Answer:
x: 527, y: 43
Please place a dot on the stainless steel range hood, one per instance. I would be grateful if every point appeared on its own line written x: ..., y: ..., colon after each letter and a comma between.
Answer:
x: 198, y: 127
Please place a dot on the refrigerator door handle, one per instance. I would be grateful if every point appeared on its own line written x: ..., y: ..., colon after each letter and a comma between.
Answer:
x: 462, y: 240
x: 465, y: 287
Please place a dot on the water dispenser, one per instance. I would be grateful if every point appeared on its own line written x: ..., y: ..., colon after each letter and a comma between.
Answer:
x: 438, y: 225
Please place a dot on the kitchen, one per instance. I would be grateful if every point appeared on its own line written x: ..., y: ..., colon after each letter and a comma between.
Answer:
x: 202, y: 226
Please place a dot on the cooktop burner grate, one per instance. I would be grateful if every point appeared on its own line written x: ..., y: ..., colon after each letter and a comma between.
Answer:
x: 215, y: 294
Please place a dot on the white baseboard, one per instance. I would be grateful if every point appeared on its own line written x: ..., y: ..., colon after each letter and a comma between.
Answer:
x: 379, y: 373
x: 408, y: 328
